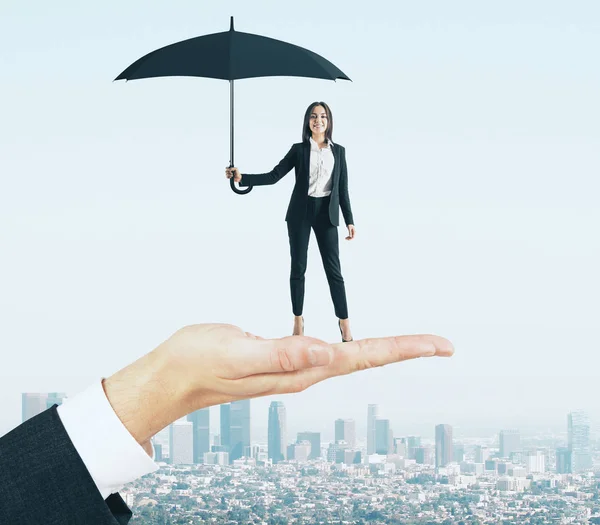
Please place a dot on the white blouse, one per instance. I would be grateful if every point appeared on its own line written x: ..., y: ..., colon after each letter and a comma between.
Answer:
x: 321, y: 168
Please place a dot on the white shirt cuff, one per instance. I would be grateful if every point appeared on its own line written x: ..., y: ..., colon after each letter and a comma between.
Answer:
x: 110, y: 453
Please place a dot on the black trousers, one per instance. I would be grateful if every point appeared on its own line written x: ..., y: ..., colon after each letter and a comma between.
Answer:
x: 317, y: 218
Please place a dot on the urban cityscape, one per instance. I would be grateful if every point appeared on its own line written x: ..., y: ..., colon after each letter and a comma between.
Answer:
x: 220, y: 475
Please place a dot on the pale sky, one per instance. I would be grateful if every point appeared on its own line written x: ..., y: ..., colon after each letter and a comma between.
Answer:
x: 473, y: 151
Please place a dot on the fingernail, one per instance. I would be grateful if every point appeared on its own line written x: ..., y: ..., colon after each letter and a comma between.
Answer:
x: 319, y: 355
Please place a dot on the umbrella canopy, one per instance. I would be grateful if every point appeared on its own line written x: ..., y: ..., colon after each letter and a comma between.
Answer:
x: 232, y: 55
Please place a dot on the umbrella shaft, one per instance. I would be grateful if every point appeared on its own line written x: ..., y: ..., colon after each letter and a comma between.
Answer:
x: 231, y: 162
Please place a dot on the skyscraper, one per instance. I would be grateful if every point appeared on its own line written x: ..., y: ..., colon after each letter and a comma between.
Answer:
x: 345, y: 430
x: 482, y: 454
x: 382, y: 436
x: 225, y: 437
x: 200, y: 420
x: 423, y: 455
x: 314, y: 438
x: 299, y: 451
x: 535, y: 462
x: 372, y: 413
x: 459, y: 452
x: 181, y: 443
x: 412, y: 442
x: 443, y: 445
x: 277, y: 432
x: 510, y: 441
x: 55, y: 398
x: 239, y: 429
x: 579, y: 441
x: 563, y: 460
x: 33, y: 404
x: 400, y: 447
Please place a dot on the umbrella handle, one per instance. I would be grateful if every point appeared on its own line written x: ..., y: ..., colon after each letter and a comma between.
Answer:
x: 237, y: 190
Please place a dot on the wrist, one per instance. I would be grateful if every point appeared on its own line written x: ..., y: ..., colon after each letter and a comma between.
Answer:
x: 143, y: 397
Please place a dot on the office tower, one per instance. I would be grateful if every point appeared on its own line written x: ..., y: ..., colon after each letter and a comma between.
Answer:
x: 215, y: 458
x: 334, y: 450
x: 517, y: 472
x: 423, y: 455
x: 300, y: 452
x: 535, y: 462
x: 341, y: 451
x: 352, y: 457
x: 55, y: 398
x: 459, y: 452
x: 277, y: 436
x: 372, y: 413
x: 382, y: 436
x: 510, y: 441
x: 579, y: 441
x: 412, y: 442
x: 34, y: 403
x: 291, y: 451
x: 443, y: 445
x: 255, y: 450
x: 239, y: 429
x: 181, y: 443
x: 157, y: 452
x: 200, y: 420
x: 503, y: 466
x: 563, y: 460
x: 345, y: 430
x: 314, y: 438
x: 225, y: 411
x: 482, y: 454
x: 400, y: 447
x: 491, y: 465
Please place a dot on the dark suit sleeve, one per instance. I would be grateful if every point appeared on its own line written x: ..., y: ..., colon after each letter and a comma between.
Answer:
x: 44, y: 481
x: 278, y: 172
x: 344, y: 195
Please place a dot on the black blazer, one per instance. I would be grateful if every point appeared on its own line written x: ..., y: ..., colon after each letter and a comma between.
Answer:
x: 299, y: 158
x: 44, y: 481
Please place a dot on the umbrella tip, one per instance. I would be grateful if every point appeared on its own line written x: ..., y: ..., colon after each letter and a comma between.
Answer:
x: 231, y: 25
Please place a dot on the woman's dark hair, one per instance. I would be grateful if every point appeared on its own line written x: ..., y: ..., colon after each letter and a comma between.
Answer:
x: 306, y: 133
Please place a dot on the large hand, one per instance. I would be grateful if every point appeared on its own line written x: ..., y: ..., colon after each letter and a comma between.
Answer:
x: 210, y: 364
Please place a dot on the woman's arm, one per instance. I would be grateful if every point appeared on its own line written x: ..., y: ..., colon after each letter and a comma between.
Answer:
x: 277, y: 173
x: 344, y: 195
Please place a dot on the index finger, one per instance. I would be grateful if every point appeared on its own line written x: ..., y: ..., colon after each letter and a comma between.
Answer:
x: 368, y: 353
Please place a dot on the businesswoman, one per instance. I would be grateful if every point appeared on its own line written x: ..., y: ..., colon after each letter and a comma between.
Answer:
x: 321, y: 189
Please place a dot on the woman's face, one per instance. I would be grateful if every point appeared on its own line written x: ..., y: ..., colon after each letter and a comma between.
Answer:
x: 318, y: 120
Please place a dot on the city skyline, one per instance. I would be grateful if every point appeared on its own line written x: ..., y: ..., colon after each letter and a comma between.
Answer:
x: 222, y: 422
x: 191, y: 440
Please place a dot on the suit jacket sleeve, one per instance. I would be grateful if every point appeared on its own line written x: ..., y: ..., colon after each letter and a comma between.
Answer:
x: 43, y: 479
x: 344, y: 194
x: 278, y: 172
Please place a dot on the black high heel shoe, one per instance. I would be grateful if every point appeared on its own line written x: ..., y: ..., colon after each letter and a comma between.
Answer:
x: 342, y: 333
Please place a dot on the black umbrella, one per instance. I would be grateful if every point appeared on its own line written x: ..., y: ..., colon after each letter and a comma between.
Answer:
x: 232, y: 55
